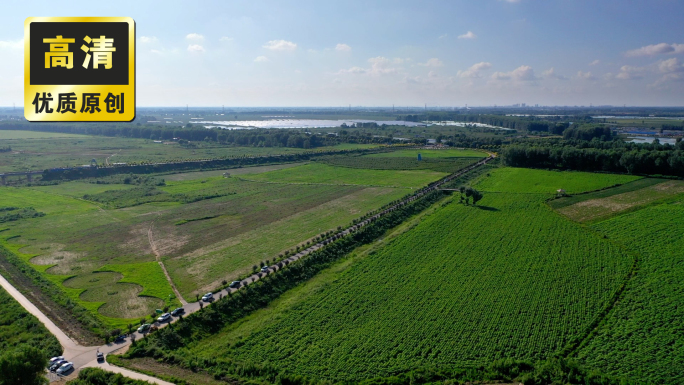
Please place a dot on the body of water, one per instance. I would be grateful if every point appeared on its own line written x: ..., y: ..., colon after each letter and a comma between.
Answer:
x: 316, y: 123
x: 300, y: 123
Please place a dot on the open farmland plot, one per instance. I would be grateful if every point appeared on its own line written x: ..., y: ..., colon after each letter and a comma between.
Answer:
x: 465, y: 286
x: 100, y: 243
x: 40, y: 150
x: 445, y: 153
x: 440, y: 164
x: 603, y: 204
x: 523, y: 180
x: 643, y: 336
x: 317, y: 173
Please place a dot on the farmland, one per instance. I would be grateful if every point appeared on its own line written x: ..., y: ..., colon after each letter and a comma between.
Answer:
x: 643, y: 337
x: 466, y: 285
x: 520, y: 180
x: 100, y: 240
x: 448, y: 161
x: 318, y: 173
x: 603, y: 204
x: 43, y: 150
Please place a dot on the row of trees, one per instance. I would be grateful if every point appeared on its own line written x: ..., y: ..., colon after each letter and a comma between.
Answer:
x: 633, y: 160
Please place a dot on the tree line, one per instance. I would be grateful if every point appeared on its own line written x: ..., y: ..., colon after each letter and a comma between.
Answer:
x: 616, y: 156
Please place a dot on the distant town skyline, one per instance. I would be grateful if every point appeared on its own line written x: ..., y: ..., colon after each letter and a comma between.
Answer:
x: 380, y: 53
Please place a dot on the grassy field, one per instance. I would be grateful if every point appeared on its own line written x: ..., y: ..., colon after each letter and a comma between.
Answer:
x: 464, y: 286
x: 426, y: 154
x: 19, y: 134
x: 643, y: 337
x: 100, y: 242
x: 40, y: 151
x: 521, y: 180
x: 324, y: 174
x: 448, y: 165
x: 600, y: 205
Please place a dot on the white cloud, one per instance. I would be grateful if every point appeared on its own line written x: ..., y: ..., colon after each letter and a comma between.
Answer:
x: 342, y: 48
x: 551, y: 74
x: 195, y: 48
x: 12, y: 44
x: 474, y: 70
x: 432, y: 74
x: 521, y: 74
x: 585, y: 75
x: 148, y: 39
x: 261, y: 59
x: 657, y: 49
x: 467, y: 35
x: 226, y: 38
x: 595, y: 62
x: 280, y: 45
x: 434, y: 62
x: 512, y: 1
x: 443, y: 36
x: 353, y: 70
x: 379, y: 66
x: 670, y: 66
x: 194, y: 37
x: 630, y: 73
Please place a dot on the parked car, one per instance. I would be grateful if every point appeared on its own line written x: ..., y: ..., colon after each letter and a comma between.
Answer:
x: 265, y: 269
x: 55, y: 359
x: 65, y: 368
x: 164, y: 317
x: 235, y: 284
x: 100, y: 356
x: 177, y: 312
x: 144, y: 328
x: 208, y: 297
x: 120, y: 338
x: 56, y: 365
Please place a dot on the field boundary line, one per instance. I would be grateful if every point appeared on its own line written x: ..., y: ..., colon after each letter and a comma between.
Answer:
x: 157, y: 256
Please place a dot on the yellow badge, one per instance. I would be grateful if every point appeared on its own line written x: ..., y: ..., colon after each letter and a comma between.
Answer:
x: 79, y: 69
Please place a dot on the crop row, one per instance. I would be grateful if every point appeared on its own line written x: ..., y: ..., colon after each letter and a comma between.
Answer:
x: 643, y: 337
x: 466, y: 286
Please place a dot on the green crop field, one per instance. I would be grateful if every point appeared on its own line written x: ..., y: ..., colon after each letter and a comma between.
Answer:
x: 643, y: 336
x: 466, y: 285
x: 318, y: 173
x: 520, y: 180
x: 100, y: 242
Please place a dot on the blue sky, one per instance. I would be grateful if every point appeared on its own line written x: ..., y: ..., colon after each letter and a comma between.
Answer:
x: 379, y: 53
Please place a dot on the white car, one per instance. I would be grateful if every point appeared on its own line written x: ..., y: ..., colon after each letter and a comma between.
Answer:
x: 265, y: 269
x: 208, y: 297
x: 164, y: 317
x: 55, y: 359
x: 65, y: 368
